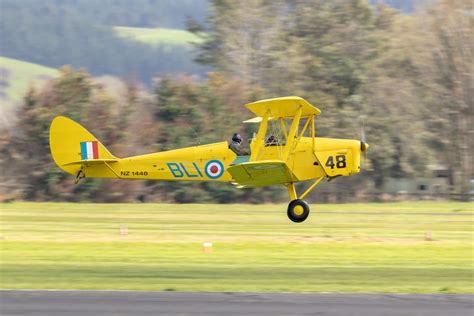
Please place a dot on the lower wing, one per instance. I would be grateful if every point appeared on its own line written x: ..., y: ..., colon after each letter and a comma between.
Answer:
x: 262, y: 173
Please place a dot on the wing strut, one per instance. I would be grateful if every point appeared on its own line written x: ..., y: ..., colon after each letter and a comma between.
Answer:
x: 291, y: 135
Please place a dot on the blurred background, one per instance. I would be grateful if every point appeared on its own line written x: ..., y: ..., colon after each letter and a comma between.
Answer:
x: 154, y: 75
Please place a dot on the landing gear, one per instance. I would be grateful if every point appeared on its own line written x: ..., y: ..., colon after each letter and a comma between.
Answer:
x: 298, y: 210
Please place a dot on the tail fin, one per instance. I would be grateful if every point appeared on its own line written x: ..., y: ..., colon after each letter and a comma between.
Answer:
x: 72, y: 145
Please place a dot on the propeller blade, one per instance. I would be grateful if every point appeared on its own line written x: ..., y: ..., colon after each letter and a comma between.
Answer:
x: 363, y: 144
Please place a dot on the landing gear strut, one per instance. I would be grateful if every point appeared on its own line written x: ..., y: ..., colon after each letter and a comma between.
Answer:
x: 298, y: 210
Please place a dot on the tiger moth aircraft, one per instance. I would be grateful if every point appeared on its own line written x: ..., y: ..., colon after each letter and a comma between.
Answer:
x: 284, y: 151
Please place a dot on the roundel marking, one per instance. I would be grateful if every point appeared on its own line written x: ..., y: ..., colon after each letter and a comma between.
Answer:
x: 214, y: 169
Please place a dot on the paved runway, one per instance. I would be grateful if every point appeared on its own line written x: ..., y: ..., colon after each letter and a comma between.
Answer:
x: 107, y: 303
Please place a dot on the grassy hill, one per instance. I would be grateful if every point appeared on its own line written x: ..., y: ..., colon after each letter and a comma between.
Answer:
x: 16, y: 76
x: 158, y: 36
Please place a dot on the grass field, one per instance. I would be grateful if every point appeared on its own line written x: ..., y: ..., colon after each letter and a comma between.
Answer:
x: 157, y: 36
x: 340, y: 248
x: 21, y: 74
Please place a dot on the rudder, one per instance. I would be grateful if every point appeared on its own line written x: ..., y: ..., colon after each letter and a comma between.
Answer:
x: 72, y: 145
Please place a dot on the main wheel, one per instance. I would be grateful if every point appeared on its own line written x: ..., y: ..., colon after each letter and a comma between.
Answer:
x: 298, y: 211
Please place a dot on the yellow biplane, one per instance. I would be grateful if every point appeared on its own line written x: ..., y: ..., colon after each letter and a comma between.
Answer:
x: 284, y: 151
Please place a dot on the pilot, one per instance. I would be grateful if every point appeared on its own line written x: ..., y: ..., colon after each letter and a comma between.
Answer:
x: 236, y: 145
x: 271, y: 141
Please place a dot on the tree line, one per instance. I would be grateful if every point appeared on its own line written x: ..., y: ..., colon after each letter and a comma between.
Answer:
x: 407, y: 79
x: 409, y: 76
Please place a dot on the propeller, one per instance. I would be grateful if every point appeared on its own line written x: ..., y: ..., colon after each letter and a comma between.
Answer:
x: 363, y: 144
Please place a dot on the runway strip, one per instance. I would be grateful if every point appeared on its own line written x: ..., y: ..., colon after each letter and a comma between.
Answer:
x: 470, y: 214
x: 105, y: 303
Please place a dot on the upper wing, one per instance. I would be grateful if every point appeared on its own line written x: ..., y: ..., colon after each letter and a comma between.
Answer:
x: 283, y: 107
x: 261, y: 173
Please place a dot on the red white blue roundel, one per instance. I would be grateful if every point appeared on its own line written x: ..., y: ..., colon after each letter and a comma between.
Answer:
x: 214, y: 169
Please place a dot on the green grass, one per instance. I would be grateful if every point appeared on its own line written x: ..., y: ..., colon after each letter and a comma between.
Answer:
x: 21, y: 75
x: 158, y: 36
x: 256, y: 248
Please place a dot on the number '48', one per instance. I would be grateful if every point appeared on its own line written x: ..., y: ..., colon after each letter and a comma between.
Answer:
x: 340, y: 162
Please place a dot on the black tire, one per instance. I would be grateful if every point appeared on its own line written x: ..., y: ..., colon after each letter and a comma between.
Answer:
x: 298, y: 211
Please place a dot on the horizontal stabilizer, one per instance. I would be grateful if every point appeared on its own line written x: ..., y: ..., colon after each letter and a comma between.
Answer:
x: 90, y: 161
x: 261, y: 173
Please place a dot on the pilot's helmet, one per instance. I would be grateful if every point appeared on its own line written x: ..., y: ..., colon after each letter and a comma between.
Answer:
x: 237, y: 138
